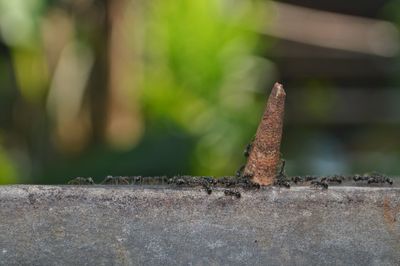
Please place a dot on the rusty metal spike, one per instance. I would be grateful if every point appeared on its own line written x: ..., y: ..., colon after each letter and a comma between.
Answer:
x: 264, y: 155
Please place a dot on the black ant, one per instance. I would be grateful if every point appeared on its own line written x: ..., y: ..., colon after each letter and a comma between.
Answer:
x: 115, y: 180
x: 81, y: 181
x: 323, y: 183
x: 247, y: 150
x: 229, y: 192
x: 239, y: 172
x: 281, y: 179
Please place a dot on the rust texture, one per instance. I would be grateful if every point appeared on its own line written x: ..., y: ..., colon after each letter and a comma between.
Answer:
x: 264, y: 155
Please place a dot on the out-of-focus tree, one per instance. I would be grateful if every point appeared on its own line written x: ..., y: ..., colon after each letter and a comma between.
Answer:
x: 200, y: 71
x: 78, y: 76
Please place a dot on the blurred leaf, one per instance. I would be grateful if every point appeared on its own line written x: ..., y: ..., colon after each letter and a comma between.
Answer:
x: 197, y: 74
x: 8, y: 171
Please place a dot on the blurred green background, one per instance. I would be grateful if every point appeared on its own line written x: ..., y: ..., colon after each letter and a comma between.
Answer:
x: 133, y: 87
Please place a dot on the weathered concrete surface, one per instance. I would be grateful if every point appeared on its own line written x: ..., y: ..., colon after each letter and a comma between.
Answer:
x: 132, y: 225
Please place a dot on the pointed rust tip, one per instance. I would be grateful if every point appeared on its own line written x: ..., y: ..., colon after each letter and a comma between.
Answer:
x: 264, y: 157
x: 278, y: 91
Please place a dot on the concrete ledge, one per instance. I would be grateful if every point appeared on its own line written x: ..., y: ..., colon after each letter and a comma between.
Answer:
x: 134, y: 225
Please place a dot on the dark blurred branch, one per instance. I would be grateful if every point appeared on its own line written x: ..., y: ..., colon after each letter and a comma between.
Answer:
x: 98, y: 85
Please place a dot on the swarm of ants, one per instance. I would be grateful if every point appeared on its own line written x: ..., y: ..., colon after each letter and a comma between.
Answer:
x: 239, y: 180
x: 374, y: 178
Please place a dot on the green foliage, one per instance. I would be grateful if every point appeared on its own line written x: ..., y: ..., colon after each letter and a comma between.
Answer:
x: 196, y: 72
x: 19, y: 21
x: 199, y: 72
x: 8, y: 171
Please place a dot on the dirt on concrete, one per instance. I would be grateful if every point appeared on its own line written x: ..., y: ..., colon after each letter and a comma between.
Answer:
x: 230, y: 183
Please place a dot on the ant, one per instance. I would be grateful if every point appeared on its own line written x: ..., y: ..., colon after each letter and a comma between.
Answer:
x: 229, y: 192
x: 323, y: 183
x: 81, y: 181
x: 281, y: 179
x: 247, y: 150
x: 239, y: 172
x: 115, y: 180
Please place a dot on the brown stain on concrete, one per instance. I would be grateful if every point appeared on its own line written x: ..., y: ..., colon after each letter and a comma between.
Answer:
x: 390, y: 217
x: 59, y: 232
x: 121, y: 253
x: 390, y: 213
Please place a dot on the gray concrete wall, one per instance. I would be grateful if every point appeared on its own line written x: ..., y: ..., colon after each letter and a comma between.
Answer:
x: 132, y: 225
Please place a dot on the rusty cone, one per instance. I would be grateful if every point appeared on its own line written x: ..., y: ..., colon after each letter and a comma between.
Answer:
x: 264, y: 155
